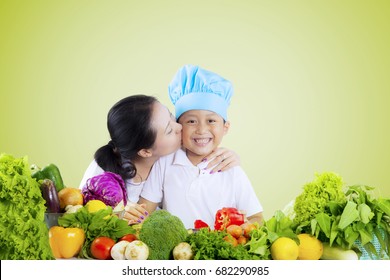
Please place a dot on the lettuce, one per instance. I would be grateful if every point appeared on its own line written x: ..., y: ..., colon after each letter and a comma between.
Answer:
x: 324, y: 188
x: 23, y: 232
x: 107, y: 187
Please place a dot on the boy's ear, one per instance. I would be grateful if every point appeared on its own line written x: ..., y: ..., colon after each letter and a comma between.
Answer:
x: 226, y: 127
x: 145, y: 153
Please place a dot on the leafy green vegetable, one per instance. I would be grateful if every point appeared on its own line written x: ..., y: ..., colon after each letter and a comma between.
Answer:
x: 23, y: 232
x: 350, y: 219
x: 365, y: 213
x: 349, y: 215
x: 259, y: 244
x: 324, y: 222
x: 279, y: 225
x: 100, y: 223
x: 384, y: 205
x: 356, y: 223
x: 210, y: 245
x: 316, y: 195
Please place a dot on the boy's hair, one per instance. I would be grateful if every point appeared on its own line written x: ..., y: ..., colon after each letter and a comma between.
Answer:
x: 194, y: 88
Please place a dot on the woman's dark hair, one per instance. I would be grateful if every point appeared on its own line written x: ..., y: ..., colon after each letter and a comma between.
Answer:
x: 129, y: 125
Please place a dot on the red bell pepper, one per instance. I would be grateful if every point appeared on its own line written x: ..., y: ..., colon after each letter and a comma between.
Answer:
x: 228, y: 216
x: 200, y: 224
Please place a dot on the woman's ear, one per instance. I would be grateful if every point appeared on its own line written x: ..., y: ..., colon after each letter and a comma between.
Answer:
x: 226, y: 127
x: 145, y: 153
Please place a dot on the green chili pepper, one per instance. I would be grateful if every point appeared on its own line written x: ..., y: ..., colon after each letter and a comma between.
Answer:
x: 52, y: 173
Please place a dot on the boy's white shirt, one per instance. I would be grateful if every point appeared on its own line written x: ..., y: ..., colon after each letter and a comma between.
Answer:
x: 192, y: 193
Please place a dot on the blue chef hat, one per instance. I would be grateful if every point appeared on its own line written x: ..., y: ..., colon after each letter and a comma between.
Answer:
x: 193, y: 88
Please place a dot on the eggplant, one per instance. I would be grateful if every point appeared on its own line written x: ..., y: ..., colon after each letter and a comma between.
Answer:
x: 49, y: 193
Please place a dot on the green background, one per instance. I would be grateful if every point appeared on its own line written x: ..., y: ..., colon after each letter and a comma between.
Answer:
x: 311, y: 79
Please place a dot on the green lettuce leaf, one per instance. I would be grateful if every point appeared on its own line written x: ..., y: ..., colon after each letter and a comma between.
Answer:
x: 23, y: 232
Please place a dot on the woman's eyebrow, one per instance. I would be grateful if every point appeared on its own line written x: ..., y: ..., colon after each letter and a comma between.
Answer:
x: 169, y: 122
x: 166, y: 128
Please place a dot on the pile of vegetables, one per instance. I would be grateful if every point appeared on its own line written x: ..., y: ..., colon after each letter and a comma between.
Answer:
x: 224, y: 244
x: 23, y: 232
x: 349, y: 219
x: 96, y: 224
x: 344, y: 222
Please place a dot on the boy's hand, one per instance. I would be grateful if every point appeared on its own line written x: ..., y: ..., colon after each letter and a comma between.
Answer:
x: 135, y: 213
x: 223, y: 159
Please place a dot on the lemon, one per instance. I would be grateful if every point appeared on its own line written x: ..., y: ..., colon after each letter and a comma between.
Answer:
x: 284, y: 248
x: 95, y: 205
x: 310, y: 248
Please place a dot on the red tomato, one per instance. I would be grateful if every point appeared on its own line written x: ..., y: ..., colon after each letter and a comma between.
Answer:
x: 101, y: 248
x: 128, y: 237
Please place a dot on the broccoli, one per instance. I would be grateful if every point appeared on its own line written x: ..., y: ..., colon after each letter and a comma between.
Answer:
x: 162, y: 231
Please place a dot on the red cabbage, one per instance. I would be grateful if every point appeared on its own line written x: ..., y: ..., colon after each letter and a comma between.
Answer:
x: 107, y: 187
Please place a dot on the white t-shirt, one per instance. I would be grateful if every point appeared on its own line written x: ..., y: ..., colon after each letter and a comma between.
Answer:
x: 133, y: 189
x: 190, y: 192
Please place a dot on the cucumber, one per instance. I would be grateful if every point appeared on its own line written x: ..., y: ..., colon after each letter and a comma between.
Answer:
x: 49, y: 193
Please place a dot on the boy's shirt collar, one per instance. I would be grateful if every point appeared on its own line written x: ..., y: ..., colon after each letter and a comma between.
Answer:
x: 180, y: 158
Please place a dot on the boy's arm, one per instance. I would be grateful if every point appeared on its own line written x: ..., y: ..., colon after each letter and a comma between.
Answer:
x: 256, y: 218
x: 246, y: 197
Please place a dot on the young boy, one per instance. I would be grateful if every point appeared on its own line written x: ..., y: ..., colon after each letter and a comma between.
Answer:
x: 179, y: 181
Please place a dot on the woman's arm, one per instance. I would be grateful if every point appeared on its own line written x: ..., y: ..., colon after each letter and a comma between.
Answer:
x: 137, y: 213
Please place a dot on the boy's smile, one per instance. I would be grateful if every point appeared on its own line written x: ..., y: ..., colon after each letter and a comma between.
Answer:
x: 202, y: 132
x: 201, y: 142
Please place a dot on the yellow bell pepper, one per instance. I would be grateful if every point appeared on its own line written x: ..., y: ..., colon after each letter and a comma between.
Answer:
x: 66, y: 243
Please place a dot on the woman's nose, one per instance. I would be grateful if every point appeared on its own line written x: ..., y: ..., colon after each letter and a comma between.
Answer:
x: 178, y: 128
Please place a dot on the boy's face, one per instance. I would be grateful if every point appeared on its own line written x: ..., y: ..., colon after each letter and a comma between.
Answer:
x: 202, y: 132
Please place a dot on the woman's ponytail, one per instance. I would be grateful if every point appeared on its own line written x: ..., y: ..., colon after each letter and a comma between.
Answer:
x: 108, y: 159
x: 128, y: 169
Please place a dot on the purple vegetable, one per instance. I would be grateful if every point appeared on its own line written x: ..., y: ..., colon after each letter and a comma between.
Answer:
x: 107, y: 187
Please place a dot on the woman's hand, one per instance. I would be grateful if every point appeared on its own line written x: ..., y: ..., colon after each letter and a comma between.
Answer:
x: 223, y: 159
x: 135, y: 213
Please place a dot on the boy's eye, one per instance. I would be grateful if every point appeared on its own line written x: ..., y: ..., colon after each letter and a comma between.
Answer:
x: 212, y: 121
x: 191, y: 121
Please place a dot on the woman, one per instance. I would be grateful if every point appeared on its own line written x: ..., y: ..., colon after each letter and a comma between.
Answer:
x: 142, y: 130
